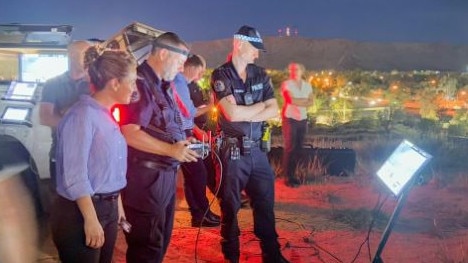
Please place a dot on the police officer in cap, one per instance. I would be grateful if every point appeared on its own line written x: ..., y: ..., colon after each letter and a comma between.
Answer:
x: 157, y: 144
x: 245, y: 96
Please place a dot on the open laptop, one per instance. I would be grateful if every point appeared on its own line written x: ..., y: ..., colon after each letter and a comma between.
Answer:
x: 16, y: 115
x: 402, y: 165
x: 21, y: 91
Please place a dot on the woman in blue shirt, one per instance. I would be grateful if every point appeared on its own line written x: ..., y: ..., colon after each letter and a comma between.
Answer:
x: 92, y: 163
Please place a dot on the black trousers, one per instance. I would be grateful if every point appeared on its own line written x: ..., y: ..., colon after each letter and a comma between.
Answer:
x: 293, y: 137
x: 195, y: 181
x: 253, y: 174
x: 212, y: 172
x: 149, y: 203
x: 69, y: 236
x: 53, y: 176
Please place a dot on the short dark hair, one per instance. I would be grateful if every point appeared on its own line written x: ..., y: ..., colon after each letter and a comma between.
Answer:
x: 168, y: 38
x: 194, y: 61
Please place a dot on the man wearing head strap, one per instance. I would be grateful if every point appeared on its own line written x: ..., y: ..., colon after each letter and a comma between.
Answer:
x: 157, y: 145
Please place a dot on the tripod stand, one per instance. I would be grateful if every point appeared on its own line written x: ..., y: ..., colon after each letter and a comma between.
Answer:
x: 391, y: 223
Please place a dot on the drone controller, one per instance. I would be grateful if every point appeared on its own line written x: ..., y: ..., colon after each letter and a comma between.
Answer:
x: 202, y: 149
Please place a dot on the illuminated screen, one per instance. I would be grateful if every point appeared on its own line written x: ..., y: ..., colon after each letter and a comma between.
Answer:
x: 21, y: 91
x: 41, y: 67
x: 405, y: 161
x: 16, y: 114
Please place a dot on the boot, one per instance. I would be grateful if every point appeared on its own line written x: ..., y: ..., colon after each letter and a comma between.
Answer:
x: 234, y: 260
x: 274, y: 258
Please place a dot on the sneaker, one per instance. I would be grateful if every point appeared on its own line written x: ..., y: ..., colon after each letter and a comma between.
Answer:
x: 213, y: 217
x: 204, y: 222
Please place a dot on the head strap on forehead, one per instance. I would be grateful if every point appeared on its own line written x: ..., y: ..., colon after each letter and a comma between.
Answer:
x: 247, y: 38
x: 173, y: 49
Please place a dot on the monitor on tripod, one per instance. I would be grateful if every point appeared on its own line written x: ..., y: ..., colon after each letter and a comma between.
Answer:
x: 402, y: 165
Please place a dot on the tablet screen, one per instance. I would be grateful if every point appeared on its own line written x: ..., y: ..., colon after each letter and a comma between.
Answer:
x: 405, y: 161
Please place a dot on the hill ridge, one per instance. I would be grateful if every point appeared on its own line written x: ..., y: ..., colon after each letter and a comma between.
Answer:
x: 341, y: 54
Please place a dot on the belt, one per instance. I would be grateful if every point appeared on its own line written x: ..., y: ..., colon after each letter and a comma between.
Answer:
x: 232, y: 140
x: 106, y: 196
x: 152, y: 165
x: 256, y: 143
x: 238, y: 142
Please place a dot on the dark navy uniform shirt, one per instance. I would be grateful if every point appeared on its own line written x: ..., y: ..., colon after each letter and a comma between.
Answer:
x: 225, y: 81
x: 198, y: 99
x: 153, y: 109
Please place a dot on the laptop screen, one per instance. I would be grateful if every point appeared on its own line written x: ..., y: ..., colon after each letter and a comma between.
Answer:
x: 404, y: 163
x: 21, y: 91
x: 17, y: 115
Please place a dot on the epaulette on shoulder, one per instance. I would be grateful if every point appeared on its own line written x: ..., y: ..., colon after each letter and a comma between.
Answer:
x: 222, y: 70
x: 223, y: 67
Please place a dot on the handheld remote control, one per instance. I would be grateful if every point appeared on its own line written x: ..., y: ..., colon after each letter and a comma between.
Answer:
x: 202, y: 149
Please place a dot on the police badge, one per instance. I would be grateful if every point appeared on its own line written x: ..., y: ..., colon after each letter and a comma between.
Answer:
x: 248, y: 99
x: 219, y: 86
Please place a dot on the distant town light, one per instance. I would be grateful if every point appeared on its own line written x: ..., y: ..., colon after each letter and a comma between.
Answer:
x: 288, y: 31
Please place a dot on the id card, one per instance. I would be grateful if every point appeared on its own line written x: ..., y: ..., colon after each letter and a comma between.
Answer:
x: 248, y: 99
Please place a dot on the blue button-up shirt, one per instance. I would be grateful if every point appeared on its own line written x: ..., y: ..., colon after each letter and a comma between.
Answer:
x: 91, y: 151
x: 183, y: 91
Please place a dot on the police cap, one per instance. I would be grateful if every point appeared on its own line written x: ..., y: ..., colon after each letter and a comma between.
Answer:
x: 248, y: 33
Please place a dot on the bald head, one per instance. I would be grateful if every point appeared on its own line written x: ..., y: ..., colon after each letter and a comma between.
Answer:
x: 76, y: 51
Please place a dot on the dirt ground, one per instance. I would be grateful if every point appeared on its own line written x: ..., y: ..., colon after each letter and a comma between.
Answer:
x: 327, y: 222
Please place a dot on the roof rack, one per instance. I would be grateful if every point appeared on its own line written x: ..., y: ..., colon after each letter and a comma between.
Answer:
x: 34, y: 36
x: 135, y: 38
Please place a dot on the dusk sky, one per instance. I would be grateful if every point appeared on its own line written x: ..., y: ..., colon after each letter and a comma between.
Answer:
x: 433, y: 21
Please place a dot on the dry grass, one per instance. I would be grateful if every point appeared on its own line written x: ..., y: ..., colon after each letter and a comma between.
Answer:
x: 312, y: 171
x: 436, y: 212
